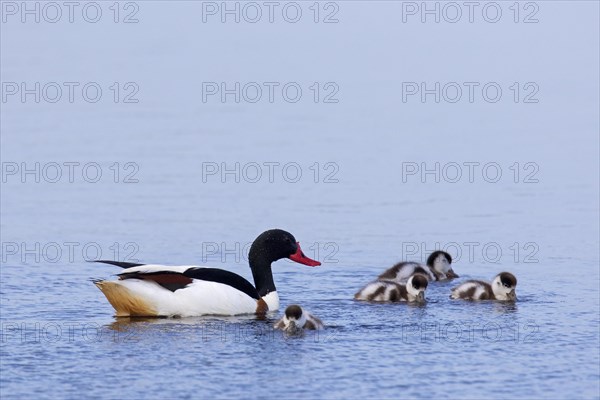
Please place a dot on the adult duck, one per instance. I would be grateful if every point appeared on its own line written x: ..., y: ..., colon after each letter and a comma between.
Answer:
x: 185, y: 291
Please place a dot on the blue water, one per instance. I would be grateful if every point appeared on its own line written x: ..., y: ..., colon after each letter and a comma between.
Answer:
x: 164, y: 196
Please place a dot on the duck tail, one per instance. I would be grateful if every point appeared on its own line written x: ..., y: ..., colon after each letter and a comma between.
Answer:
x: 124, y: 301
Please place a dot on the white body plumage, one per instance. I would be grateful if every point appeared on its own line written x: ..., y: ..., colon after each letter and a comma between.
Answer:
x: 200, y: 297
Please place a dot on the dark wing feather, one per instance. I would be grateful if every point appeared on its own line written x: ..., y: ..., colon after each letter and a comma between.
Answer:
x: 168, y: 279
x: 121, y: 264
x: 224, y: 277
x: 175, y: 280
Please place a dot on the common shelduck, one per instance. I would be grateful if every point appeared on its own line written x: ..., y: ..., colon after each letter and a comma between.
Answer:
x: 502, y: 288
x: 296, y: 318
x: 183, y: 291
x: 383, y: 290
x: 437, y: 268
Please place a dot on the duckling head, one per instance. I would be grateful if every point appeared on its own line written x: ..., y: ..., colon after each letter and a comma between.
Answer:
x: 504, y: 285
x: 441, y: 262
x: 294, y: 318
x: 415, y: 287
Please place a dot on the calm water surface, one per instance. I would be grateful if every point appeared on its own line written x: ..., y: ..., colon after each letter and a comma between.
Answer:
x: 351, y: 208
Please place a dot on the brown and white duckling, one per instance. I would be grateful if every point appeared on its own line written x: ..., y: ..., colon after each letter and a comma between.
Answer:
x: 296, y: 319
x: 385, y: 290
x: 502, y: 288
x: 437, y: 268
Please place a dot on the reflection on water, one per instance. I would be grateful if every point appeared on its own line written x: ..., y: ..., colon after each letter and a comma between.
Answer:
x: 507, y: 307
x: 121, y: 323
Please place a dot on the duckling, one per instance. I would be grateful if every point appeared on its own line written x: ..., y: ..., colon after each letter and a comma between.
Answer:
x: 296, y: 319
x: 385, y: 290
x: 502, y: 288
x: 437, y: 268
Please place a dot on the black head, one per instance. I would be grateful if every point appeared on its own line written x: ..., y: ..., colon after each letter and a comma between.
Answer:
x: 435, y: 255
x: 293, y: 311
x: 508, y: 280
x: 419, y: 282
x: 269, y: 247
x: 275, y: 244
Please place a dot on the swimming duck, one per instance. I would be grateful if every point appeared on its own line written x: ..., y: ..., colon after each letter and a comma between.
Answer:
x: 502, y: 288
x: 296, y: 319
x: 384, y: 290
x: 152, y: 290
x: 437, y: 268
